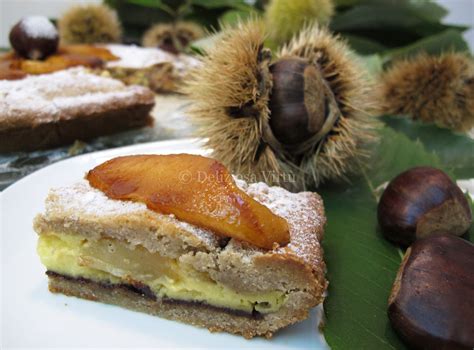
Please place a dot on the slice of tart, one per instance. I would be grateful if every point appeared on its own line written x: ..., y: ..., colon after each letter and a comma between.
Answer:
x: 252, y: 266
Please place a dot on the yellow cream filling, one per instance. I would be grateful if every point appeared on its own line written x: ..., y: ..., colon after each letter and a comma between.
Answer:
x: 113, y: 261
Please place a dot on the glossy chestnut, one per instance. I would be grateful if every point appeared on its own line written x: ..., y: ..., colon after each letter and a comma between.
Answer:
x: 432, y: 301
x: 420, y: 202
x: 34, y: 37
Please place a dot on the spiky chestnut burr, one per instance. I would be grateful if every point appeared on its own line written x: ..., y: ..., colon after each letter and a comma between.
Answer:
x: 89, y: 24
x: 296, y: 121
x: 34, y: 37
x: 286, y: 18
x: 172, y: 37
x: 436, y: 89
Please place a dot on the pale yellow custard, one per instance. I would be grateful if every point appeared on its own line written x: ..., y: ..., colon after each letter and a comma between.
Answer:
x: 112, y: 261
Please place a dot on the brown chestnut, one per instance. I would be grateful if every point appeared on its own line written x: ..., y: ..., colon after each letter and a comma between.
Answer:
x: 297, y: 101
x: 431, y: 305
x: 34, y: 37
x: 422, y: 201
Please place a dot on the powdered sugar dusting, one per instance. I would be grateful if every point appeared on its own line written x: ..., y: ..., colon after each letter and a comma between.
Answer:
x: 49, y: 96
x: 132, y: 56
x: 96, y: 98
x: 299, y: 209
x: 206, y: 236
x: 82, y: 199
x: 64, y: 83
x: 38, y: 27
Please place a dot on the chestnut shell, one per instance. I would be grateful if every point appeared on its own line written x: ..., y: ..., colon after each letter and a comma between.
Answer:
x: 290, y: 118
x: 432, y: 301
x: 420, y: 202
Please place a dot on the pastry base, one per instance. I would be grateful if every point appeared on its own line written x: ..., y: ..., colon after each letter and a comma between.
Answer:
x: 195, y: 313
x: 83, y: 128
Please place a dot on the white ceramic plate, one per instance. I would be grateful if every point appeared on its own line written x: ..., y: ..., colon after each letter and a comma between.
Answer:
x: 33, y: 317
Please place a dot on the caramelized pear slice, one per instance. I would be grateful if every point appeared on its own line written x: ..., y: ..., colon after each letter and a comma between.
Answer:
x: 89, y: 50
x: 56, y: 62
x: 196, y: 190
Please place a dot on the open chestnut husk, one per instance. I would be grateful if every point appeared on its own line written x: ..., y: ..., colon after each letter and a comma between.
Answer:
x: 172, y: 37
x: 293, y: 118
x: 420, y: 202
x: 431, y: 305
x: 34, y: 37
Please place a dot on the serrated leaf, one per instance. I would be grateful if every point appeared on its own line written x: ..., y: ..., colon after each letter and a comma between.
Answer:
x: 429, y: 10
x: 449, y: 40
x: 362, y: 265
x: 455, y: 150
x: 396, y: 153
x: 391, y: 24
x: 213, y: 4
x: 137, y: 18
x: 343, y: 3
x: 362, y: 45
x: 138, y: 15
x: 203, y: 45
x: 361, y: 269
x: 373, y: 64
x: 360, y: 2
x: 147, y: 3
x: 371, y: 16
x: 469, y: 235
x: 232, y: 17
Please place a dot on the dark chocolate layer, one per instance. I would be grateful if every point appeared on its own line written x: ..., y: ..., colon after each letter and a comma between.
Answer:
x: 145, y: 292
